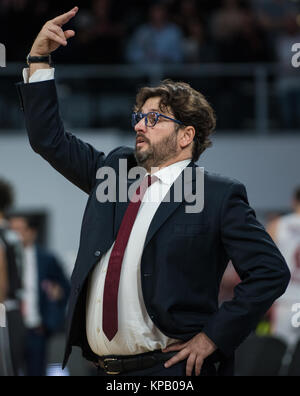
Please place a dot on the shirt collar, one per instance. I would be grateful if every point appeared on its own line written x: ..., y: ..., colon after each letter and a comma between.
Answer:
x: 169, y: 174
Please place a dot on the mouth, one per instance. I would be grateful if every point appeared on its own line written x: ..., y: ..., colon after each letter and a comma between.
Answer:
x: 140, y: 141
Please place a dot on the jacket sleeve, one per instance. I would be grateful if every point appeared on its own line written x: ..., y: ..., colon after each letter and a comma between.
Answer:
x: 73, y: 158
x: 258, y: 262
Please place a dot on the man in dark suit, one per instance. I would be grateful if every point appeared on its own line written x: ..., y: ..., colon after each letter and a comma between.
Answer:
x: 45, y: 295
x: 11, y: 263
x: 144, y: 295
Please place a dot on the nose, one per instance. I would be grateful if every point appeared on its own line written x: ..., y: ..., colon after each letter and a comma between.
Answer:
x: 141, y: 126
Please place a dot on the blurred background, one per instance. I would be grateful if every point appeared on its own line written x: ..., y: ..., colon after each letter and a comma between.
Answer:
x: 238, y: 53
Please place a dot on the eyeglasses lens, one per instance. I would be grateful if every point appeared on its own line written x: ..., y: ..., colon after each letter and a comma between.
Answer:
x: 152, y: 119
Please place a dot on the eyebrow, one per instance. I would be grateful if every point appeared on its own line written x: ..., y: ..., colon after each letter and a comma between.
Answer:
x: 158, y: 111
x: 151, y: 110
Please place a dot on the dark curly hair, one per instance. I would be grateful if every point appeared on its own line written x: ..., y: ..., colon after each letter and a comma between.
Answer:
x: 6, y: 195
x: 188, y: 106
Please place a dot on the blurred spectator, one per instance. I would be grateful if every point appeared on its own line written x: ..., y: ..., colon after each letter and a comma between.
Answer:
x: 158, y: 41
x: 103, y: 26
x: 227, y: 21
x: 99, y: 35
x: 272, y: 13
x: 9, y: 10
x: 110, y: 32
x: 196, y: 47
x: 285, y: 232
x: 190, y: 17
x: 10, y: 279
x: 238, y: 35
x: 288, y: 82
x: 186, y: 11
x: 45, y: 297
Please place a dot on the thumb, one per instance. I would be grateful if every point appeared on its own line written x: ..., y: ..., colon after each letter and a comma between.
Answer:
x: 69, y: 33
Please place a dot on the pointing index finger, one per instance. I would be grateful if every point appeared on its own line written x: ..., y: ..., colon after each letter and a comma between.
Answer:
x: 64, y: 18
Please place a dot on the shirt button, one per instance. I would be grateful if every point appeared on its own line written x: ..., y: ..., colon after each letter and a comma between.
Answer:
x: 98, y: 330
x: 97, y: 253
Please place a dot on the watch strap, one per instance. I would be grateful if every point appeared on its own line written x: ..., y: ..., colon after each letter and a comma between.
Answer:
x: 39, y: 59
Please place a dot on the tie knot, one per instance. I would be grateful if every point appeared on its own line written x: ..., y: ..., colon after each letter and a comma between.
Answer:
x: 147, y: 181
x: 150, y: 180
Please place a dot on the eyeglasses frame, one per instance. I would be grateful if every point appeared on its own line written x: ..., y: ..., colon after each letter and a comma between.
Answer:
x: 145, y: 115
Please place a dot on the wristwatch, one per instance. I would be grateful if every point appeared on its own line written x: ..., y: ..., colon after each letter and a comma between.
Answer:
x: 39, y: 59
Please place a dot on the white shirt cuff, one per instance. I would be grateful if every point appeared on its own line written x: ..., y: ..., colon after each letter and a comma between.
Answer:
x: 39, y: 75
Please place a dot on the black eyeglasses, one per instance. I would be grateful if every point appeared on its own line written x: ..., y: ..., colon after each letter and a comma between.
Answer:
x: 151, y: 119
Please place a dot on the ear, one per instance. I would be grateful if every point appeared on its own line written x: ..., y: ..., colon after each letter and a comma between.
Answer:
x: 186, y: 136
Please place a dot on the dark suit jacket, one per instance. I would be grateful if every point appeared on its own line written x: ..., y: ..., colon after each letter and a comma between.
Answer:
x: 185, y: 255
x: 53, y: 313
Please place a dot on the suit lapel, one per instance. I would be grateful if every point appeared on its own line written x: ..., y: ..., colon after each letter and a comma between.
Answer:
x: 163, y: 212
x: 165, y: 209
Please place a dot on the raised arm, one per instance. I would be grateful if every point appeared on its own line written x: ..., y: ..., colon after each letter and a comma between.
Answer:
x: 51, y: 37
x: 74, y: 159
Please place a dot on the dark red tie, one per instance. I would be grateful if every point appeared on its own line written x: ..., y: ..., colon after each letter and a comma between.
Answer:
x: 112, y: 280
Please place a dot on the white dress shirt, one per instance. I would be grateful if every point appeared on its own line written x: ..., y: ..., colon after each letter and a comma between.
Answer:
x: 136, y: 331
x: 32, y: 316
x: 39, y: 75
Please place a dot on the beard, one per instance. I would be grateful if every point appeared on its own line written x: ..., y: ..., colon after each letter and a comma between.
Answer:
x: 157, y: 153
